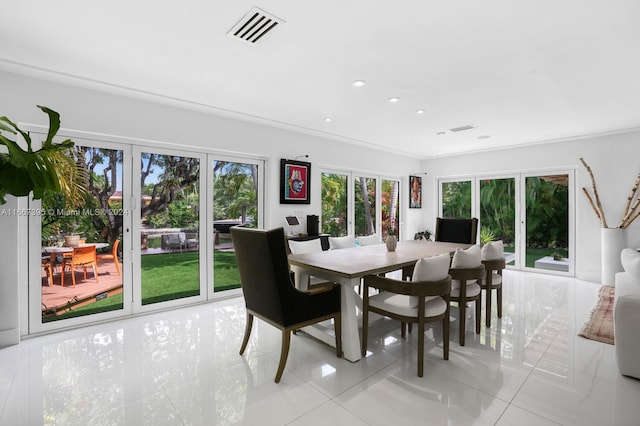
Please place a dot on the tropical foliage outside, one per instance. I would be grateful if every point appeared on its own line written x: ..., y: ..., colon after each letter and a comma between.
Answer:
x: 170, y: 200
x: 546, y: 212
x: 335, y: 202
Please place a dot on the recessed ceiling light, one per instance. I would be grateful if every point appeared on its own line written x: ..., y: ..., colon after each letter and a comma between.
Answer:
x: 420, y: 111
x: 328, y: 120
x: 394, y: 100
x: 358, y: 83
x: 439, y: 152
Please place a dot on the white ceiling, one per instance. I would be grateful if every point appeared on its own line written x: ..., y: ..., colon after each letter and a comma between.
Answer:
x: 519, y: 71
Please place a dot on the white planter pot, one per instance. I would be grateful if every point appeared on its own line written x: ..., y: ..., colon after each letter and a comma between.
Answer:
x: 613, y: 240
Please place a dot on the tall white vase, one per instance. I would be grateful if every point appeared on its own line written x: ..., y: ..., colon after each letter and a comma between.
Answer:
x: 613, y: 240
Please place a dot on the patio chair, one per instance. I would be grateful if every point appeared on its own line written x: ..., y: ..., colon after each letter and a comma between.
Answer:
x: 269, y: 292
x: 113, y: 256
x: 82, y: 257
x: 176, y: 241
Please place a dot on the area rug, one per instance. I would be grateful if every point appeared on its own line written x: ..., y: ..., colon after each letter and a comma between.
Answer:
x: 600, y: 326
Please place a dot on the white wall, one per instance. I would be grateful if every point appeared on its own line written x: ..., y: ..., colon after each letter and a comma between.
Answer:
x: 85, y: 109
x: 614, y: 159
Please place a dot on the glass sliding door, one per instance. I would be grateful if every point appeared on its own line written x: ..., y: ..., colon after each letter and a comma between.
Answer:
x: 498, y: 214
x: 547, y: 222
x: 236, y: 189
x: 456, y: 199
x: 335, y: 207
x: 531, y: 213
x: 365, y: 198
x: 80, y: 243
x: 390, y: 205
x: 170, y: 213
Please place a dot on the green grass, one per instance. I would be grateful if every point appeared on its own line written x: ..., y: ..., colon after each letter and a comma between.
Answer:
x: 169, y: 276
x: 534, y: 254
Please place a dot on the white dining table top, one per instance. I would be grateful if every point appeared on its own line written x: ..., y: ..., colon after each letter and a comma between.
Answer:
x: 64, y: 249
x: 373, y: 259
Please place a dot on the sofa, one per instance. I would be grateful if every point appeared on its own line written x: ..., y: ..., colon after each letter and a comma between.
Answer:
x: 626, y: 314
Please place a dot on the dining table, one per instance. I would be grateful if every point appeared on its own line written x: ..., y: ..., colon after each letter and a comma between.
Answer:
x: 67, y: 249
x: 53, y: 251
x: 348, y: 266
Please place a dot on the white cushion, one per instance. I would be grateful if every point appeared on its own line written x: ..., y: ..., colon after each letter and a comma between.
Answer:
x: 433, y: 268
x: 302, y: 247
x: 493, y: 250
x: 369, y: 240
x: 342, y: 242
x: 626, y: 317
x: 469, y: 258
x: 473, y: 289
x: 496, y: 279
x: 406, y: 305
x: 630, y: 259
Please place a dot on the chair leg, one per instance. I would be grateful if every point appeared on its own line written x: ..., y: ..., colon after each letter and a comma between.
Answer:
x: 462, y: 308
x: 420, y: 349
x: 284, y: 353
x: 445, y: 335
x: 487, y: 305
x: 247, y: 333
x: 365, y: 330
x: 499, y: 301
x: 73, y: 276
x: 337, y: 329
x: 403, y: 329
x: 478, y: 313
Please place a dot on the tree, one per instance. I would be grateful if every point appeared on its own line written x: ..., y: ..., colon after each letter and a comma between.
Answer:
x: 334, y: 204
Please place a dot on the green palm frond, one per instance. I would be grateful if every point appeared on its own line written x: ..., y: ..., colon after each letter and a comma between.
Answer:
x: 50, y: 168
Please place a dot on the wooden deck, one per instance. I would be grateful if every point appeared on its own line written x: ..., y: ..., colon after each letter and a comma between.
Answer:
x: 55, y: 298
x: 86, y: 291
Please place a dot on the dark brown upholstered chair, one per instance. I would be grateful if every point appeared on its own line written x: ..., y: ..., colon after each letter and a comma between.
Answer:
x: 269, y: 292
x: 428, y: 308
x: 493, y: 281
x: 455, y: 230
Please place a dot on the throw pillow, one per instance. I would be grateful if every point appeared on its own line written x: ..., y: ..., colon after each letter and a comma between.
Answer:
x: 342, y: 242
x: 433, y: 268
x: 302, y: 247
x: 630, y: 259
x: 469, y: 258
x: 369, y: 240
x: 492, y: 250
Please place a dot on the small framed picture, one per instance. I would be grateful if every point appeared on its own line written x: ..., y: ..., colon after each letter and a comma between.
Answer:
x: 415, y: 192
x: 295, y: 177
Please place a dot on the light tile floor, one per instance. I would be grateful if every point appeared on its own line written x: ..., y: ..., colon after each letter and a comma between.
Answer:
x: 182, y: 368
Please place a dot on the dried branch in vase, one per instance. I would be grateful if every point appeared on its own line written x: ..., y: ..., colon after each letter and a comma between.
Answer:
x: 631, y: 208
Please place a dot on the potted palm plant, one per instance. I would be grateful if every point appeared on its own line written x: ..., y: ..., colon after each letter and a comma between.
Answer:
x: 49, y: 168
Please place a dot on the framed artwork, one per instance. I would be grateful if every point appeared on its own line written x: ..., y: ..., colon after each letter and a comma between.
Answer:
x: 295, y: 178
x: 415, y: 192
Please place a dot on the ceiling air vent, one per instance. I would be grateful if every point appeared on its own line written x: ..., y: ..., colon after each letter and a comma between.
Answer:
x: 462, y: 128
x: 254, y: 25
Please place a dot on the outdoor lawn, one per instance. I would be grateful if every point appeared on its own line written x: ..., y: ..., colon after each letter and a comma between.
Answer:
x: 170, y: 276
x: 534, y: 254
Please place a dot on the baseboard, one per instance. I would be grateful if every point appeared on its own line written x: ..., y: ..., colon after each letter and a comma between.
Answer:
x: 9, y: 337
